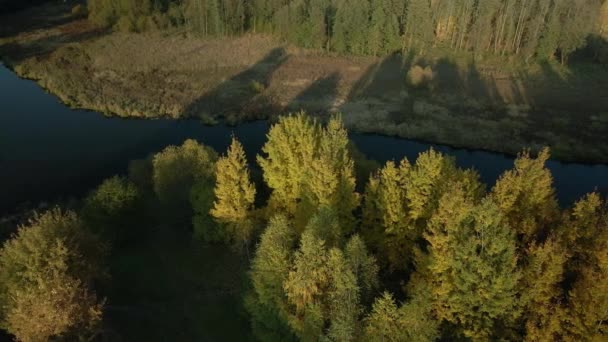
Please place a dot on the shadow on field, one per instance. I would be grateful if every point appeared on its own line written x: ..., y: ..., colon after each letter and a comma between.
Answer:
x: 34, y: 18
x: 318, y: 97
x: 244, y: 93
x: 20, y: 51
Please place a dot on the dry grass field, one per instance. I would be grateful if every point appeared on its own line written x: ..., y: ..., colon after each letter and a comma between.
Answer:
x: 173, y: 73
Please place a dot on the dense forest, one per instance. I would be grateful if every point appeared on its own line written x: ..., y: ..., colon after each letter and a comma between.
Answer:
x: 535, y: 29
x: 338, y: 248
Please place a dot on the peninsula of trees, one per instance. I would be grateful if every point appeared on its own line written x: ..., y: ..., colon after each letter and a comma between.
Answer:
x: 418, y: 251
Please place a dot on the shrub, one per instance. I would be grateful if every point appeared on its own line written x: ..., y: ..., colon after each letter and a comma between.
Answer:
x: 256, y: 87
x: 125, y: 24
x: 419, y: 77
x: 79, y: 11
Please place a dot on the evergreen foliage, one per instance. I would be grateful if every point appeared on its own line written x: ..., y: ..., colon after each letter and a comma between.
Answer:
x: 541, y: 29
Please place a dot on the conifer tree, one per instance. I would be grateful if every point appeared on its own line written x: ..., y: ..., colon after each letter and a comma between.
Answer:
x: 269, y: 269
x: 526, y: 197
x: 351, y: 17
x: 473, y: 265
x: 308, y: 167
x: 290, y: 147
x: 541, y: 291
x: 234, y: 194
x: 411, y: 322
x: 306, y: 284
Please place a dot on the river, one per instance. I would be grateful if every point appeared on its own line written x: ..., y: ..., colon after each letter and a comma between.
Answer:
x: 50, y: 151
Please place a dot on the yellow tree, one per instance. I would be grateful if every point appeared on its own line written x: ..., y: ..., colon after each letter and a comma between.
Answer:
x: 45, y: 273
x: 399, y: 200
x: 526, y: 197
x: 541, y: 291
x: 586, y: 237
x: 308, y: 166
x: 472, y: 265
x: 234, y: 194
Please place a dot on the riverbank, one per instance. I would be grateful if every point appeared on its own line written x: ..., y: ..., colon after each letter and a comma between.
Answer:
x: 174, y: 74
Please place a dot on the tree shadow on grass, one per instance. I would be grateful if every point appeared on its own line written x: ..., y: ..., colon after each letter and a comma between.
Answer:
x: 243, y: 95
x: 319, y: 97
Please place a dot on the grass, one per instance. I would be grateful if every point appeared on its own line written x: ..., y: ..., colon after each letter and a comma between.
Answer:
x: 497, y: 104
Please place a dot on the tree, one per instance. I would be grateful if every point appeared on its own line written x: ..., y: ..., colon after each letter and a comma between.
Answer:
x: 291, y: 145
x: 541, y: 291
x: 175, y: 172
x: 400, y: 200
x: 526, y: 197
x: 305, y: 286
x: 410, y: 322
x: 111, y: 209
x: 308, y: 167
x: 473, y: 265
x: 586, y: 236
x: 46, y: 270
x: 351, y: 17
x: 234, y: 194
x: 269, y: 269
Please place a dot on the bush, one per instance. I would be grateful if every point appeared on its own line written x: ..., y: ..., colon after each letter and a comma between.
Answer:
x: 79, y: 11
x: 125, y: 24
x: 419, y: 77
x: 256, y: 87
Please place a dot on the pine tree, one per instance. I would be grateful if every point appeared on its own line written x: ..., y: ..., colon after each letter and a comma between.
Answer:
x: 526, y: 197
x: 411, y: 322
x: 541, y: 291
x: 473, y: 265
x: 305, y: 286
x: 269, y: 269
x: 308, y: 167
x: 351, y: 16
x: 290, y: 147
x: 234, y: 194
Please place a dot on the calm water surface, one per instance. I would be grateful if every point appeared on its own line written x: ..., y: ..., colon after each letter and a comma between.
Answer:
x: 48, y: 150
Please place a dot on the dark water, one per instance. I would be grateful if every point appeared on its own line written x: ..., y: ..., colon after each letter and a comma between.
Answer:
x: 48, y: 150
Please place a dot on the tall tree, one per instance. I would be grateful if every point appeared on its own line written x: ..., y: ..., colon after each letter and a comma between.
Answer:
x: 525, y: 195
x: 234, y: 194
x: 473, y: 265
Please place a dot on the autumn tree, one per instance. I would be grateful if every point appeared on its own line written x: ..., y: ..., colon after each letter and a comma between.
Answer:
x: 269, y: 269
x: 542, y: 293
x: 412, y: 321
x: 526, y: 197
x: 308, y: 166
x: 472, y: 265
x: 46, y: 271
x: 234, y: 194
x: 399, y: 200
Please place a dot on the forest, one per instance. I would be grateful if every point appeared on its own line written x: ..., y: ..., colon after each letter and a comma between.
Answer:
x: 335, y: 246
x: 528, y: 30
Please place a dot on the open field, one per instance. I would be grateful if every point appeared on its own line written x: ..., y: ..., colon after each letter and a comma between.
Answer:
x: 466, y: 104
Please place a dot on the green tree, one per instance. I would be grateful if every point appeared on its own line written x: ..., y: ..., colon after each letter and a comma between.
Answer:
x: 111, y: 209
x: 410, y: 322
x: 175, y: 172
x: 234, y: 194
x: 269, y: 269
x: 351, y: 17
